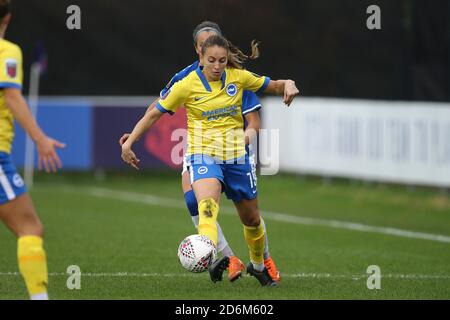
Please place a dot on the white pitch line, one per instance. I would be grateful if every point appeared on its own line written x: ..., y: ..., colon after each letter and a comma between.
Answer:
x: 270, y: 215
x: 294, y: 275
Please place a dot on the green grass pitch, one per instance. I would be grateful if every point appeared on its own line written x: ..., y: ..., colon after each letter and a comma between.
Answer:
x: 123, y: 233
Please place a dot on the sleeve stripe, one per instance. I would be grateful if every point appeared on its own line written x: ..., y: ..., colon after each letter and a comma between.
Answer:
x: 10, y: 85
x: 264, y: 86
x: 162, y: 109
x: 257, y: 107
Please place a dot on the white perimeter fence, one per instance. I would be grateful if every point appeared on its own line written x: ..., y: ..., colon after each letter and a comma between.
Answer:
x: 404, y: 142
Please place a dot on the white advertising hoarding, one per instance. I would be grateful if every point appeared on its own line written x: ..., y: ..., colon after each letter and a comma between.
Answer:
x: 406, y: 142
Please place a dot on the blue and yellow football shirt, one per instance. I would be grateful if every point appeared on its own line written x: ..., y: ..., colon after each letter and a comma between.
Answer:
x: 214, y: 110
x: 10, y: 77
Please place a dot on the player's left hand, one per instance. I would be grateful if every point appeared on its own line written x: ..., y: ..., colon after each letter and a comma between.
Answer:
x: 290, y: 91
x: 48, y: 159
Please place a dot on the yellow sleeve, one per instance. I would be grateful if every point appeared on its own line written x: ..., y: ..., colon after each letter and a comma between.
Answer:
x: 253, y: 82
x: 11, y: 73
x: 174, y: 98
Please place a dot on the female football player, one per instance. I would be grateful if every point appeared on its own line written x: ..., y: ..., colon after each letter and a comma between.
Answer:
x: 250, y: 108
x: 16, y: 208
x: 212, y: 96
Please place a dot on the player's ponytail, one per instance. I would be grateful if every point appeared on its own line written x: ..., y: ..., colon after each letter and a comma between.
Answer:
x: 236, y: 58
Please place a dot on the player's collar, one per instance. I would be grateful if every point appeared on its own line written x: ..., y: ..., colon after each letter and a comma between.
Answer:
x: 205, y: 82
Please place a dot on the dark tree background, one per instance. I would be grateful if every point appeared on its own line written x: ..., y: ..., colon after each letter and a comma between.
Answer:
x: 134, y: 47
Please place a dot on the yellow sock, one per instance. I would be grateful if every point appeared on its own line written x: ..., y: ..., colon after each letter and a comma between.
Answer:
x: 254, y: 236
x: 208, y: 210
x: 33, y: 264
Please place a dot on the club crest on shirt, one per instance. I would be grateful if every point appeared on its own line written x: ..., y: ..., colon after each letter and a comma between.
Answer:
x: 231, y: 89
x: 11, y: 68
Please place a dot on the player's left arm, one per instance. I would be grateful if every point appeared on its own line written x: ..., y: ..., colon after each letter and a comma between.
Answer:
x: 285, y: 88
x: 258, y: 84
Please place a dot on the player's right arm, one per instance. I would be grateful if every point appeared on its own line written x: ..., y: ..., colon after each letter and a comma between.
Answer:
x: 11, y: 84
x: 170, y: 103
x: 285, y: 88
x: 162, y: 94
x: 125, y: 136
x: 48, y: 158
x: 140, y: 128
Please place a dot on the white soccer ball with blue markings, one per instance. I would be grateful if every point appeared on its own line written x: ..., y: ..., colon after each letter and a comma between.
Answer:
x: 196, y: 253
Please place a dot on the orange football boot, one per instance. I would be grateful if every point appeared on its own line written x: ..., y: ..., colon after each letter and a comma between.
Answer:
x: 235, y: 268
x: 272, y: 268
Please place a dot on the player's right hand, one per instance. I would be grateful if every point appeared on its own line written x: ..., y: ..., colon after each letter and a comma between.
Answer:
x: 48, y: 158
x: 129, y: 157
x: 123, y: 138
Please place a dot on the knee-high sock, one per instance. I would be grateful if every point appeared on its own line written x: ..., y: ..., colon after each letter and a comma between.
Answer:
x: 33, y: 264
x: 266, y: 241
x: 254, y: 236
x: 208, y: 210
x: 191, y: 203
x: 222, y: 243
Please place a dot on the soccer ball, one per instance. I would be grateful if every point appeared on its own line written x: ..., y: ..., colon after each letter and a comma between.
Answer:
x: 196, y: 253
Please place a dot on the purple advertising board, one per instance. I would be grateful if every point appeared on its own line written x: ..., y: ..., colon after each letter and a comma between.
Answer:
x: 154, y: 149
x: 91, y: 128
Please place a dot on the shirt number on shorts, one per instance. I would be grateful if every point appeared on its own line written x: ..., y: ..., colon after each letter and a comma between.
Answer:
x: 252, y: 179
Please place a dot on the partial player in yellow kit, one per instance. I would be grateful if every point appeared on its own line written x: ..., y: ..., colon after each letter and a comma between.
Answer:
x: 16, y: 208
